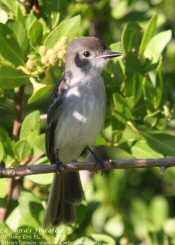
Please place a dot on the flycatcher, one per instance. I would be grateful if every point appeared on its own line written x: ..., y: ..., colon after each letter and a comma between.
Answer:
x: 75, y: 118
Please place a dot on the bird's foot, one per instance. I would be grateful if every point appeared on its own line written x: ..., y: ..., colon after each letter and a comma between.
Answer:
x: 60, y: 166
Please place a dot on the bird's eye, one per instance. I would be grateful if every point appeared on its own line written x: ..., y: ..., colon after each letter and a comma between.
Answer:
x: 86, y: 54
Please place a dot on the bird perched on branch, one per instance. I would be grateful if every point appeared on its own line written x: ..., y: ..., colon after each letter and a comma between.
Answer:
x: 75, y: 118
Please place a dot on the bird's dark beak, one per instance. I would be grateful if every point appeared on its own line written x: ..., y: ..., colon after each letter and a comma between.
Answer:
x: 108, y: 54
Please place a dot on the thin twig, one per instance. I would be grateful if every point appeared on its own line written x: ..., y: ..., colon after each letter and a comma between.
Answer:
x: 90, y: 166
x: 30, y: 161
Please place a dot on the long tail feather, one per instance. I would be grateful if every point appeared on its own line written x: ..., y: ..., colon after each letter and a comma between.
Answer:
x: 66, y: 191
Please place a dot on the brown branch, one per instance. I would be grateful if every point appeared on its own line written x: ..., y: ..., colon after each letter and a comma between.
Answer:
x: 163, y: 163
x: 30, y: 161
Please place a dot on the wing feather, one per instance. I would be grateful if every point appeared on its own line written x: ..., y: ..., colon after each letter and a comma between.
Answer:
x: 53, y: 118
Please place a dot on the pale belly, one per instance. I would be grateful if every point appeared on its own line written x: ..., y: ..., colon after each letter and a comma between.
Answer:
x: 80, y: 122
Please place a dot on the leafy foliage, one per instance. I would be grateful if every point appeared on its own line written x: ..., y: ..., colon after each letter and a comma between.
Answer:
x: 121, y: 207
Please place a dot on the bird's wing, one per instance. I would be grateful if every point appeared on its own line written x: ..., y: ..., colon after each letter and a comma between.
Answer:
x: 53, y: 117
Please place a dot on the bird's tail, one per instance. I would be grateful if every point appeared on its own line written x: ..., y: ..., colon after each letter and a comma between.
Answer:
x: 66, y: 191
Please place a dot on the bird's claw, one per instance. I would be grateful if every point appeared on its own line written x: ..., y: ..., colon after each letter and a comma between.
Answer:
x: 60, y: 166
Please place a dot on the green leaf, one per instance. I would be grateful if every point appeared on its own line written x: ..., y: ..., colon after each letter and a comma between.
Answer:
x: 14, y: 218
x: 131, y: 37
x: 152, y: 118
x: 28, y: 234
x: 156, y: 45
x: 38, y: 144
x: 7, y: 143
x: 55, y: 16
x: 6, y: 106
x: 149, y: 93
x: 6, y: 232
x: 19, y: 27
x: 2, y: 153
x: 36, y: 33
x: 141, y: 150
x: 158, y: 210
x: 148, y: 66
x: 41, y: 179
x: 30, y: 126
x: 117, y: 153
x: 134, y: 88
x: 101, y: 213
x: 160, y: 142
x: 22, y: 150
x: 116, y: 47
x: 3, y: 188
x: 10, y: 4
x: 119, y: 10
x: 133, y: 64
x: 134, y: 16
x: 139, y: 216
x: 39, y: 90
x: 153, y: 92
x: 121, y: 106
x: 20, y: 17
x: 149, y: 33
x: 9, y: 47
x: 3, y: 16
x: 81, y: 213
x: 139, y: 210
x: 96, y: 239
x: 68, y: 28
x: 29, y: 19
x: 32, y: 206
x: 100, y: 140
x: 114, y: 226
x: 130, y: 133
x: 159, y: 88
x: 108, y: 133
x: 11, y: 78
x: 169, y: 227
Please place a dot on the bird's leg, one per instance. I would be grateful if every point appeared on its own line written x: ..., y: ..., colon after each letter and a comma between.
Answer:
x: 60, y: 165
x: 97, y: 159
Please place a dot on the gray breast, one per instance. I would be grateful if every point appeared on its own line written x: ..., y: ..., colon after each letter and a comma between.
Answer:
x: 82, y: 116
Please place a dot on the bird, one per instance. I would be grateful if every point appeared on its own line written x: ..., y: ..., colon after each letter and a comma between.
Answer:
x: 75, y: 118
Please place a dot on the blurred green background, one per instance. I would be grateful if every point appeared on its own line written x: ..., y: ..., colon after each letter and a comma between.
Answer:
x: 121, y: 207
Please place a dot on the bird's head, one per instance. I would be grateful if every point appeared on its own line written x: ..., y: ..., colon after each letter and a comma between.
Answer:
x: 88, y: 54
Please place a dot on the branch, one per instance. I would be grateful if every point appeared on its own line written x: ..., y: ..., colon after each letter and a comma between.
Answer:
x: 163, y: 163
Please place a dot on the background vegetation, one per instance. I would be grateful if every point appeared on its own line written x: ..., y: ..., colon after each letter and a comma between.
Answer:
x: 121, y: 207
